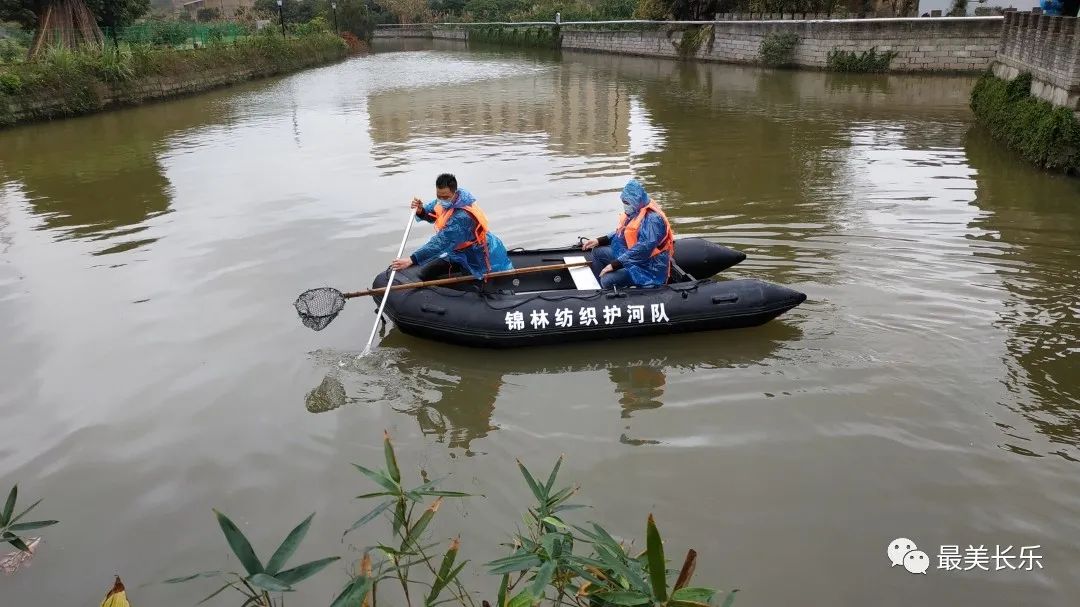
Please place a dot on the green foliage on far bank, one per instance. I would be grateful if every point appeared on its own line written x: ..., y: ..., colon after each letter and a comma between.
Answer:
x: 81, y: 82
x: 866, y: 61
x: 1046, y: 135
x: 536, y: 36
x: 778, y: 49
x: 693, y: 37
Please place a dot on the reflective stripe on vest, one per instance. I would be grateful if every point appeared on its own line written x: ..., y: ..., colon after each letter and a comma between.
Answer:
x: 442, y: 217
x: 630, y: 230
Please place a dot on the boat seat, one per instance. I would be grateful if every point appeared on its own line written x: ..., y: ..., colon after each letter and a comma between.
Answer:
x: 584, y: 279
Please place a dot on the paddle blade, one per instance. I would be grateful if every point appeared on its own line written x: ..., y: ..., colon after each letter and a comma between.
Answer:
x: 318, y: 307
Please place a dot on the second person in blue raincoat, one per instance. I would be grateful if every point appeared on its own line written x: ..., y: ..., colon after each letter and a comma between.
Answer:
x: 461, y: 241
x: 638, y: 253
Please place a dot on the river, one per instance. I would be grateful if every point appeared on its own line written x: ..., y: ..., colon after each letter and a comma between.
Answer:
x: 152, y: 366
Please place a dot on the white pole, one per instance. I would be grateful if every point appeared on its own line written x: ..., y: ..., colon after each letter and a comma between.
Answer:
x: 389, y: 282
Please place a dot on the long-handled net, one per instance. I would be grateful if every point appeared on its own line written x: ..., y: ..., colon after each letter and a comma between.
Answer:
x: 319, y: 307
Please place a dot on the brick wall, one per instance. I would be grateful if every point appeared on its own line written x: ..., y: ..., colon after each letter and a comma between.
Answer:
x: 1048, y: 48
x: 923, y: 45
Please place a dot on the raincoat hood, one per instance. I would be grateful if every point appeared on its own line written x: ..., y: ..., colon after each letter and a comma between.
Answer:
x: 635, y: 195
x: 463, y: 199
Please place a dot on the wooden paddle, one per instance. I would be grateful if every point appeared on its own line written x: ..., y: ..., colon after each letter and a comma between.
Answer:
x: 468, y: 278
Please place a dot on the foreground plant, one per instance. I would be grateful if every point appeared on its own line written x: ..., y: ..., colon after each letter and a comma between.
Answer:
x: 551, y: 560
x: 10, y: 525
x: 261, y: 580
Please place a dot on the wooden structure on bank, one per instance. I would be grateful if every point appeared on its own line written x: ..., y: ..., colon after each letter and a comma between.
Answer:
x: 66, y: 24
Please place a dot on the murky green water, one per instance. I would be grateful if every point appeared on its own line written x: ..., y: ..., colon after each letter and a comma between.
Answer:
x: 153, y: 366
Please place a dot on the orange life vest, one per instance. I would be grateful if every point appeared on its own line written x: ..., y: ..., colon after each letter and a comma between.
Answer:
x: 442, y: 217
x: 629, y: 230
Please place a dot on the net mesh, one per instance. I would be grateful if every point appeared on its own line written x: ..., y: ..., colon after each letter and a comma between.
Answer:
x: 318, y: 307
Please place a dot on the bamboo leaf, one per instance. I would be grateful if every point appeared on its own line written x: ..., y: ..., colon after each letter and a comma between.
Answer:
x: 693, y: 594
x: 543, y: 578
x: 551, y: 477
x: 187, y: 578
x: 17, y: 542
x: 268, y: 583
x: 501, y: 599
x: 288, y: 546
x: 239, y: 544
x: 9, y: 506
x: 441, y: 493
x: 399, y: 517
x: 654, y: 549
x: 413, y: 535
x: 562, y: 495
x: 624, y: 598
x: 217, y: 592
x: 33, y: 525
x: 379, y: 477
x: 519, y: 563
x: 730, y: 598
x: 370, y: 516
x: 354, y: 593
x: 540, y: 496
x: 675, y: 603
x: 302, y: 572
x: 376, y: 494
x: 551, y: 520
x: 441, y: 579
x: 391, y: 459
x: 563, y: 507
x: 24, y: 512
x: 522, y: 599
x: 588, y: 577
x: 687, y: 571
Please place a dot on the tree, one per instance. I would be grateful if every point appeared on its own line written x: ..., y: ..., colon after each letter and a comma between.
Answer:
x: 23, y: 12
x: 354, y: 16
x: 294, y: 11
x: 117, y: 13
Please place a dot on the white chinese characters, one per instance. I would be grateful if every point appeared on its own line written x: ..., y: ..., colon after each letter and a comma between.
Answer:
x: 903, y: 551
x: 586, y: 316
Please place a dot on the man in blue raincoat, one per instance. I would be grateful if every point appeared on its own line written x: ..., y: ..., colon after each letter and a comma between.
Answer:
x: 638, y: 253
x: 462, y: 241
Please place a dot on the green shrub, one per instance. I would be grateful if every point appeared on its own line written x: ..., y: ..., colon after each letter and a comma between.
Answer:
x: 693, y: 38
x: 315, y: 26
x: 1047, y: 136
x: 866, y: 61
x: 10, y: 84
x: 79, y: 81
x: 778, y: 49
x: 11, y: 51
x: 533, y: 36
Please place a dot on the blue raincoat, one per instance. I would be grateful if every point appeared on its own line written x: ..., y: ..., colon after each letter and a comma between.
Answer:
x: 459, y: 229
x: 645, y: 271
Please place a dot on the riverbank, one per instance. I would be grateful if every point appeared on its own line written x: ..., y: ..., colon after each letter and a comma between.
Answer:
x: 70, y: 84
x: 952, y: 45
x: 1046, y: 135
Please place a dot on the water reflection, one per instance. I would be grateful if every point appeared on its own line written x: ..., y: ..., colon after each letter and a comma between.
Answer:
x: 99, y: 178
x: 452, y: 392
x: 571, y: 110
x: 1032, y: 222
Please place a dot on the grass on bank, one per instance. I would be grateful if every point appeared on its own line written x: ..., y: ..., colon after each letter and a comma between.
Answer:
x: 80, y: 81
x: 1046, y: 135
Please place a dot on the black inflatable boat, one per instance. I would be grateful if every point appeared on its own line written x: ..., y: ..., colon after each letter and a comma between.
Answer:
x: 567, y: 305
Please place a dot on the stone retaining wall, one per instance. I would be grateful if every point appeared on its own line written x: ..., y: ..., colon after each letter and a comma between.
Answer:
x: 922, y: 45
x: 1048, y: 48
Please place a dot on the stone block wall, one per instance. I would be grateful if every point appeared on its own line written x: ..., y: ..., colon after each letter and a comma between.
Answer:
x: 1047, y: 47
x: 922, y: 45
